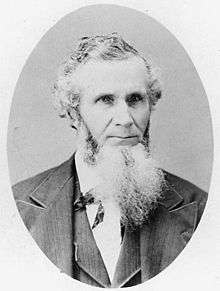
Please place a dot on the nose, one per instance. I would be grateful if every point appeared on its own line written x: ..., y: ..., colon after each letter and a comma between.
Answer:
x: 122, y: 116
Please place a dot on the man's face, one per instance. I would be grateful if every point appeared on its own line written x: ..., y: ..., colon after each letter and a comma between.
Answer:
x: 114, y: 104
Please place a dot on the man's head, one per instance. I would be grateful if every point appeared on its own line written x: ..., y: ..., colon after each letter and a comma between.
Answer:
x: 107, y: 90
x: 102, y: 50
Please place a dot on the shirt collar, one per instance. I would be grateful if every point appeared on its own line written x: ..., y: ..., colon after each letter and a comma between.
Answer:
x: 88, y: 177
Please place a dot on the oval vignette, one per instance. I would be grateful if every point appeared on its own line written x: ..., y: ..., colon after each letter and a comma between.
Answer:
x: 39, y: 142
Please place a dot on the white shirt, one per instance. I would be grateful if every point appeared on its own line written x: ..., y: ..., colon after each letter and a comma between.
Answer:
x: 107, y: 234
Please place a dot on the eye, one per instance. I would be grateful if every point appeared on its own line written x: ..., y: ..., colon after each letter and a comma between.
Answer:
x: 134, y: 98
x: 106, y: 99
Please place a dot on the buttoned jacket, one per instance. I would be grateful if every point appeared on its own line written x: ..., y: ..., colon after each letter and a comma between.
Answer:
x: 45, y: 203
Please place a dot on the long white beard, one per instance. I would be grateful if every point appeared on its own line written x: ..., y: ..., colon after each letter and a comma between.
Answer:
x: 131, y: 179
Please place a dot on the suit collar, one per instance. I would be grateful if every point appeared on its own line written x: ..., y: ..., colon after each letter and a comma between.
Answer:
x: 50, y: 187
x: 170, y: 198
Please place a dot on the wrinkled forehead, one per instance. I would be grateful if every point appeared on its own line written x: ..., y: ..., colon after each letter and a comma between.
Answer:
x: 111, y: 76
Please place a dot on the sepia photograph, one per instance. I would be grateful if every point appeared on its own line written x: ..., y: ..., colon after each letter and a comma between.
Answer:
x: 110, y: 146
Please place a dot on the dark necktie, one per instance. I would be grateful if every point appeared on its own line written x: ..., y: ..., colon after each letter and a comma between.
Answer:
x: 89, y: 199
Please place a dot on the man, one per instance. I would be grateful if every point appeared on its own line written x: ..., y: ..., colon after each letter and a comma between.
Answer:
x: 109, y: 217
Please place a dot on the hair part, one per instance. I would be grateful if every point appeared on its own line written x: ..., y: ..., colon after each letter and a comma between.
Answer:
x: 100, y: 47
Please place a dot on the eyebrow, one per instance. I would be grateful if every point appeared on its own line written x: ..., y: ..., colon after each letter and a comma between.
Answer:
x: 141, y: 92
x: 104, y: 94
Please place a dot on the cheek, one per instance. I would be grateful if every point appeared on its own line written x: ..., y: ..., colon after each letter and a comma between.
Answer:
x: 96, y: 121
x: 142, y: 118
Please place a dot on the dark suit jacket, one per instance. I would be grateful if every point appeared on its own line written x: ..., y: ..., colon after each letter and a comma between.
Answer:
x: 45, y: 204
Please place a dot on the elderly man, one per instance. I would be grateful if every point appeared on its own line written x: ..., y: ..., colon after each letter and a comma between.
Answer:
x: 109, y: 217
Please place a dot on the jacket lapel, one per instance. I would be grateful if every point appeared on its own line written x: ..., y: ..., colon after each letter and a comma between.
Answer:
x: 166, y: 234
x: 51, y: 218
x: 157, y: 243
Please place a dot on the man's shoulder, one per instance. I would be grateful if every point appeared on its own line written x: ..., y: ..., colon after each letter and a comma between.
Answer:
x: 189, y: 191
x: 31, y: 184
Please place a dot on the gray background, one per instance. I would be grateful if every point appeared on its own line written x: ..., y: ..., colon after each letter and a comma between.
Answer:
x: 181, y: 125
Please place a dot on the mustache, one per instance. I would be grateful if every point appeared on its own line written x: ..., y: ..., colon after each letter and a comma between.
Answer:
x: 93, y: 144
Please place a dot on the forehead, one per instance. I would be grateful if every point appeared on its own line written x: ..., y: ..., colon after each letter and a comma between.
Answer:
x: 111, y: 76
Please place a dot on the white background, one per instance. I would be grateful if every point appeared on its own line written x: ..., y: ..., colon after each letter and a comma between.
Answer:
x: 195, y: 24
